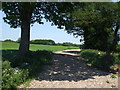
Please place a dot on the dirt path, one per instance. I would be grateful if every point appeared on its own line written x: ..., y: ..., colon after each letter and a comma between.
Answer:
x: 70, y: 71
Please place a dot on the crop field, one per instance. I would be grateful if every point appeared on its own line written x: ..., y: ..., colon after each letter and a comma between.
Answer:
x: 34, y: 47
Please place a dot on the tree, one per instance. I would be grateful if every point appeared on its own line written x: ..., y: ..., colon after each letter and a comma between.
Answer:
x: 93, y: 20
x: 18, y: 40
x: 22, y: 15
x: 25, y: 14
x: 99, y: 24
x: 8, y: 40
x: 43, y: 41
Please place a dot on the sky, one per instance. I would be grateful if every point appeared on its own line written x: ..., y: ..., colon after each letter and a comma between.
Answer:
x: 38, y: 31
x: 115, y: 0
x: 45, y: 31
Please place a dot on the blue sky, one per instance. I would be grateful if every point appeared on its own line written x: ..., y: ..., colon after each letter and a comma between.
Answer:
x: 115, y: 0
x: 45, y: 31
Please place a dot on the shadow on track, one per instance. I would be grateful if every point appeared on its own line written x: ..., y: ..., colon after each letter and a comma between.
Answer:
x: 70, y: 68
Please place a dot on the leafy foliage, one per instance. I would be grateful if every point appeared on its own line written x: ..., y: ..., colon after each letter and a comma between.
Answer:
x: 18, y: 40
x: 17, y: 69
x: 113, y: 76
x: 8, y: 40
x: 96, y: 58
x: 68, y: 44
x: 91, y: 22
x: 18, y: 15
x: 11, y: 77
x: 43, y: 42
x: 116, y: 58
x: 14, y: 12
x: 118, y: 48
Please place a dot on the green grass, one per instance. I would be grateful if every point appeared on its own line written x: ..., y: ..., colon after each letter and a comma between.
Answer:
x: 95, y: 58
x: 15, y: 71
x: 34, y: 47
x: 22, y: 69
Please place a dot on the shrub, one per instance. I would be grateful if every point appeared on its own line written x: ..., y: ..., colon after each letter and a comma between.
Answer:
x: 96, y: 58
x: 118, y: 48
x: 116, y: 58
x: 17, y: 69
x: 11, y: 77
x: 113, y: 76
x: 44, y: 57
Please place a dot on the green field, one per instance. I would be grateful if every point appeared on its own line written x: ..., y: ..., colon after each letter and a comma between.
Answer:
x: 25, y: 72
x: 34, y: 47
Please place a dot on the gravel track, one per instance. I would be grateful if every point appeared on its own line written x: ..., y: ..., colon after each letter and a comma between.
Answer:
x: 70, y: 71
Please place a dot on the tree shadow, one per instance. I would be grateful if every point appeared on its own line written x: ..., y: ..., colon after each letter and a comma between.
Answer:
x: 32, y: 61
x: 8, y: 54
x: 74, y: 52
x: 65, y: 67
x: 70, y: 68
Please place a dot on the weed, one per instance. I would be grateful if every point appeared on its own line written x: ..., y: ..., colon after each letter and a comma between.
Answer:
x: 113, y: 76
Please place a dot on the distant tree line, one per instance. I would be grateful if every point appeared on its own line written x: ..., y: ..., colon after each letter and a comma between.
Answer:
x: 67, y: 44
x: 45, y: 42
x: 8, y: 40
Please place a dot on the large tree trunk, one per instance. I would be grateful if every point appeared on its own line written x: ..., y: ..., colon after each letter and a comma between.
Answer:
x: 25, y: 28
x: 108, y: 61
x: 25, y: 37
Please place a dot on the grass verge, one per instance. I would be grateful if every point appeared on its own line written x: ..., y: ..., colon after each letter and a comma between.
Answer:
x: 95, y: 58
x: 17, y: 70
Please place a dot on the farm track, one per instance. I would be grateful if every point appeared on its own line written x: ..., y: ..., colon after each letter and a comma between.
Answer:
x: 70, y: 71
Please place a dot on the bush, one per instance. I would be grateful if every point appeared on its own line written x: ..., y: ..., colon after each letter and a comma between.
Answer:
x: 11, y: 77
x: 116, y: 58
x: 96, y: 58
x: 17, y: 69
x: 118, y: 48
x: 44, y: 42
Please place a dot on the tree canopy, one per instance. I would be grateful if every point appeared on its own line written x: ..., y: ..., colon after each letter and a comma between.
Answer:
x: 97, y: 23
x: 25, y: 14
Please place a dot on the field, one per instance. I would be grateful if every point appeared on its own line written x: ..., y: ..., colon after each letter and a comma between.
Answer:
x: 23, y: 69
x: 17, y: 70
x: 34, y: 47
